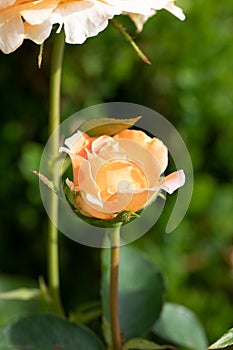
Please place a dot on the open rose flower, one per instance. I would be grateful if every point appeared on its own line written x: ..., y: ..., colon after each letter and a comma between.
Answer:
x: 27, y: 19
x: 119, y: 173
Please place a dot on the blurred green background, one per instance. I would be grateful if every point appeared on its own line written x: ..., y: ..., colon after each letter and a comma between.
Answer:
x: 190, y: 82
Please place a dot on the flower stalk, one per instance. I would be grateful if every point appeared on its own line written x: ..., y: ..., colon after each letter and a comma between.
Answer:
x: 54, y: 121
x: 114, y: 270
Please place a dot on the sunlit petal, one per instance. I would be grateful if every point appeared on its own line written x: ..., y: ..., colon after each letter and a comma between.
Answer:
x: 84, y: 19
x: 38, y: 33
x: 173, y: 181
x: 11, y: 32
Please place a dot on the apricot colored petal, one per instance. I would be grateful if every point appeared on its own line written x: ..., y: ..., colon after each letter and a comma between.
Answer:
x: 160, y: 152
x: 153, y: 145
x: 86, y: 181
x: 173, y: 181
x: 84, y: 19
x: 143, y: 159
x: 100, y: 182
x: 38, y: 33
x: 11, y: 31
x: 5, y: 3
x: 89, y: 210
x: 134, y: 135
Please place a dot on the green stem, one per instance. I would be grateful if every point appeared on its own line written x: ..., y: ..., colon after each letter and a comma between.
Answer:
x: 114, y: 310
x: 128, y: 38
x: 54, y: 121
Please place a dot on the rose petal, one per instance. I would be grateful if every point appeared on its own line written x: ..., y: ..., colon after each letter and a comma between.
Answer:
x: 86, y: 179
x: 108, y: 148
x: 175, y: 10
x: 5, y: 3
x: 139, y: 20
x: 84, y: 19
x: 76, y: 143
x: 153, y: 145
x: 11, y: 31
x: 37, y: 12
x: 38, y: 33
x: 90, y: 210
x: 135, y: 6
x: 140, y: 17
x: 169, y: 184
x: 143, y: 159
x: 173, y: 181
x: 111, y: 177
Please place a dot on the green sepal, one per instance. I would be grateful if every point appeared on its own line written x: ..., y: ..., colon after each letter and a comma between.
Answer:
x: 131, y: 41
x: 122, y: 218
x: 107, y: 126
x: 47, y: 182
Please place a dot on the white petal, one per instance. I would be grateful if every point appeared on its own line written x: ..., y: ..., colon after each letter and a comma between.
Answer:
x: 173, y: 181
x: 175, y: 10
x: 36, y: 13
x: 93, y: 200
x: 11, y: 32
x: 108, y: 148
x: 73, y: 142
x: 139, y: 20
x: 84, y: 19
x: 138, y: 6
x: 140, y: 15
x: 38, y: 33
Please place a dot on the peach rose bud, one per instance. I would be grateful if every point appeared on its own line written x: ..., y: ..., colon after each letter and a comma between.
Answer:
x: 120, y: 173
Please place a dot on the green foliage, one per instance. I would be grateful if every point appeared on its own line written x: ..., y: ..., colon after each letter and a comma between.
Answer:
x: 180, y: 326
x: 47, y: 332
x: 22, y: 304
